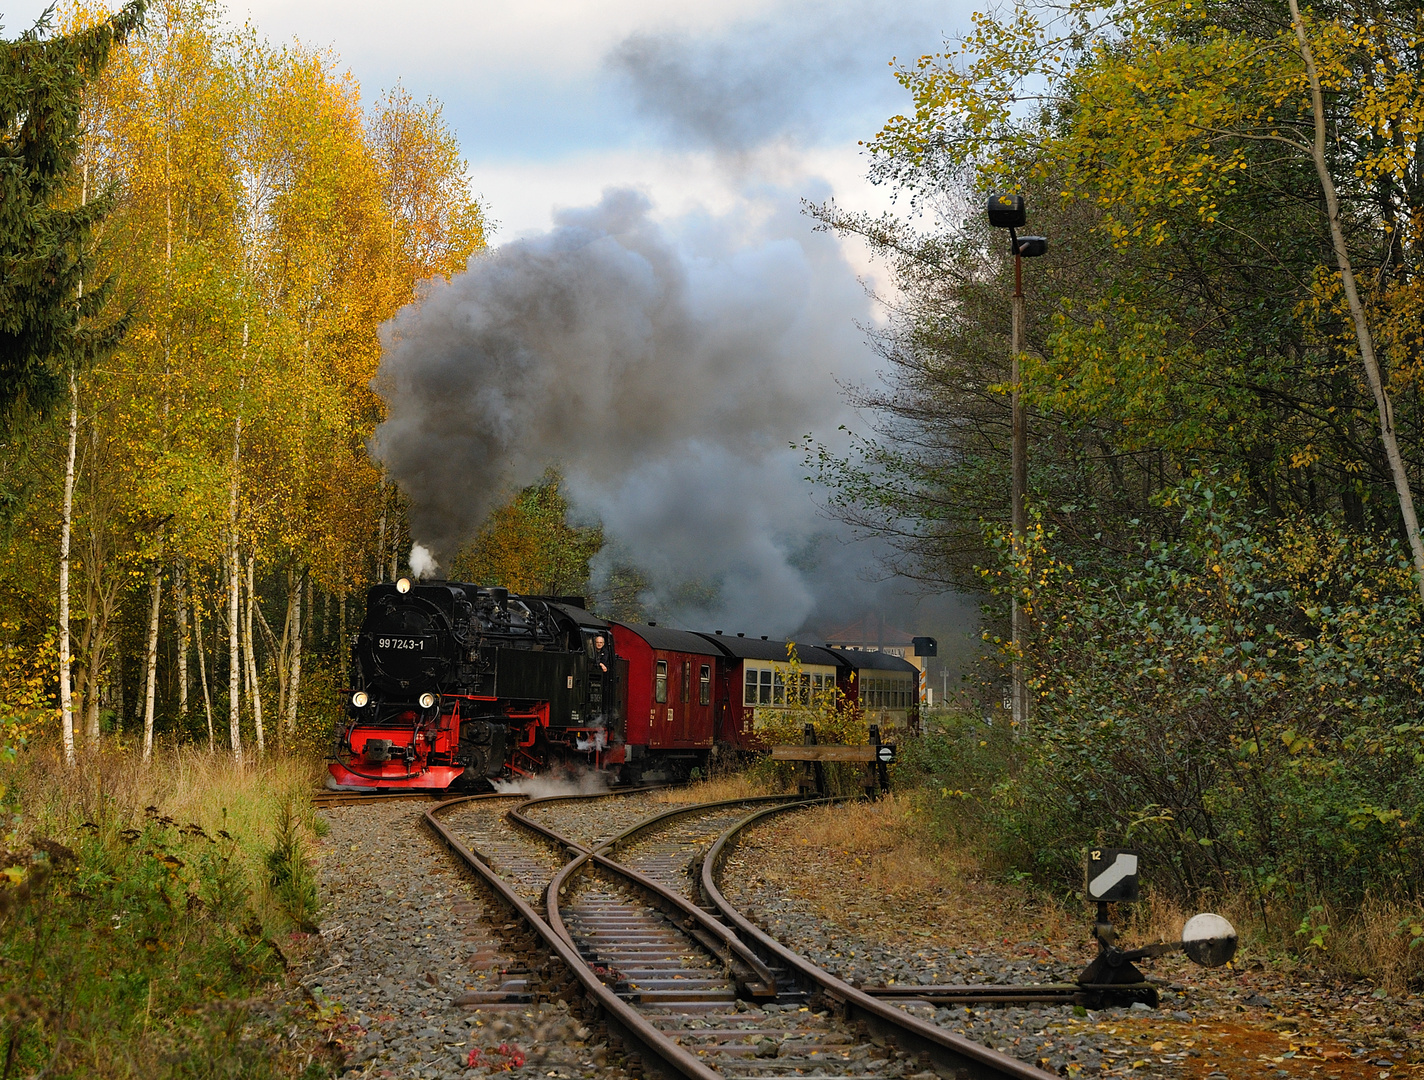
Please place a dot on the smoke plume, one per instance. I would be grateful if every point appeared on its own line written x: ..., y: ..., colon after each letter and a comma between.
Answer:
x: 800, y: 71
x: 665, y: 375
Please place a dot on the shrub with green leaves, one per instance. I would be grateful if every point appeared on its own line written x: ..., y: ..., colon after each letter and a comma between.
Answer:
x: 289, y: 873
x: 122, y: 954
x: 1241, y: 701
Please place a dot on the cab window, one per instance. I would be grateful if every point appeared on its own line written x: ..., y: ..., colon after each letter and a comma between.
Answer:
x: 704, y: 684
x: 660, y: 685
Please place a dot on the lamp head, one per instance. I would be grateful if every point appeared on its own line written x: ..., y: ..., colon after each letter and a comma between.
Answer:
x: 1030, y: 247
x: 1006, y: 211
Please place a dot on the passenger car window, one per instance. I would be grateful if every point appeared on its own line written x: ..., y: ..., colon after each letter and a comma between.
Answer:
x: 749, y: 696
x: 686, y: 682
x: 704, y: 679
x: 766, y: 687
x: 660, y: 686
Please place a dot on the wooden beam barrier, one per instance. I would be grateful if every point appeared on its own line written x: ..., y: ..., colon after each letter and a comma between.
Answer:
x: 823, y: 753
x: 811, y: 758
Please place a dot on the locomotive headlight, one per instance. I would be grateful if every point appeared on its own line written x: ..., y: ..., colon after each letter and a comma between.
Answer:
x: 427, y: 700
x: 403, y: 585
x: 360, y: 699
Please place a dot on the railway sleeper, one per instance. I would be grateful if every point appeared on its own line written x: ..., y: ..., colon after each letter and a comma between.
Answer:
x: 878, y: 1023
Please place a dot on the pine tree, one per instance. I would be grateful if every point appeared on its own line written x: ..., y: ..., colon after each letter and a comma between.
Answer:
x: 43, y: 229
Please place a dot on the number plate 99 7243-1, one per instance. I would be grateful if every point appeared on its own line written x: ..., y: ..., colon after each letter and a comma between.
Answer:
x: 414, y: 644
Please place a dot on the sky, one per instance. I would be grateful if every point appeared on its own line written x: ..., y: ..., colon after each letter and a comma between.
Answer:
x: 720, y: 119
x: 691, y: 102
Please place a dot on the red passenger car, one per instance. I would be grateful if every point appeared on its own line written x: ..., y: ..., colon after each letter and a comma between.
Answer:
x: 669, y: 702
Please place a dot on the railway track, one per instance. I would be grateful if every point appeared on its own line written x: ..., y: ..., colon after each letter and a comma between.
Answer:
x: 323, y: 798
x: 428, y: 971
x: 644, y: 943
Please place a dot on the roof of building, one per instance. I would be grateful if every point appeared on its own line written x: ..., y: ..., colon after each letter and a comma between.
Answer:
x: 864, y: 659
x: 744, y: 648
x: 670, y: 640
x: 871, y: 631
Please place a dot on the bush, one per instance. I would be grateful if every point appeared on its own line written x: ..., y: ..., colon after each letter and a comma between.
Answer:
x: 1240, y: 702
x: 130, y: 931
x: 837, y: 720
x: 953, y: 770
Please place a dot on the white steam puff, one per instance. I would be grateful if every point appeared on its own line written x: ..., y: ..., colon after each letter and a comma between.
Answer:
x: 666, y: 381
x: 548, y: 786
x: 422, y: 562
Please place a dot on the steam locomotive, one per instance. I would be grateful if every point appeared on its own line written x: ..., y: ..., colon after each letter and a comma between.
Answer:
x: 455, y: 685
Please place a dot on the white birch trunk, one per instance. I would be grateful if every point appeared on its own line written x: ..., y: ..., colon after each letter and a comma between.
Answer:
x: 234, y: 588
x: 294, y: 679
x: 1363, y: 338
x: 151, y: 662
x: 180, y: 612
x: 203, y: 670
x: 66, y: 690
x: 282, y: 650
x: 254, y: 688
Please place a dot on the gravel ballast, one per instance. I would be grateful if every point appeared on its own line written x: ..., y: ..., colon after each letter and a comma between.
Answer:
x: 1248, y: 1020
x: 408, y: 933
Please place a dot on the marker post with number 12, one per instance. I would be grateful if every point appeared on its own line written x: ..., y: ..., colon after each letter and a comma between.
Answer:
x: 1111, y: 875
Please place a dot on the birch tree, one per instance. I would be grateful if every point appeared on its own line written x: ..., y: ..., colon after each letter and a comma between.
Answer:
x: 267, y: 224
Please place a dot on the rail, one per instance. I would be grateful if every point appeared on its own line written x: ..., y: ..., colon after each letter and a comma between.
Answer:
x: 944, y: 1048
x: 656, y: 1049
x: 352, y: 798
x: 727, y: 933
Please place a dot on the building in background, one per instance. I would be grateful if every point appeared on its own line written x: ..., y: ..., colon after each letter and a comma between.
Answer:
x: 872, y: 633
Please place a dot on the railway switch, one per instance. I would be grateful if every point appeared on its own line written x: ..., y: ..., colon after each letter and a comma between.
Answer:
x: 1112, y: 978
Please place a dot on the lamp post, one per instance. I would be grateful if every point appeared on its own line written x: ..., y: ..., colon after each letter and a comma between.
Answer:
x: 1007, y: 212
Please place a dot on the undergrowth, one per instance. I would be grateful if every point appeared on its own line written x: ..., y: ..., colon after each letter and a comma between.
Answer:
x: 970, y: 786
x: 141, y: 908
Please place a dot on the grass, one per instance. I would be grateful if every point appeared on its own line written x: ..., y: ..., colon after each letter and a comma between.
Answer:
x: 888, y: 850
x: 948, y: 786
x: 143, y: 905
x: 719, y: 788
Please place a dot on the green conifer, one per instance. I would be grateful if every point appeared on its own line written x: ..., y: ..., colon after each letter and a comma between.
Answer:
x: 44, y: 226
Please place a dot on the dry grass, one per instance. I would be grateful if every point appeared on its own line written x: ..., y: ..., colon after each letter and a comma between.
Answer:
x: 1370, y: 942
x: 717, y: 789
x: 186, y: 784
x: 1381, y: 931
x: 882, y: 855
x: 114, y: 785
